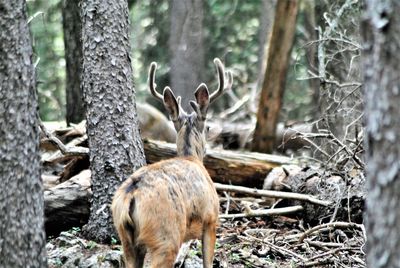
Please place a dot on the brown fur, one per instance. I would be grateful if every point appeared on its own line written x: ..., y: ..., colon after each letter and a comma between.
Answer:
x: 168, y: 210
x: 162, y: 205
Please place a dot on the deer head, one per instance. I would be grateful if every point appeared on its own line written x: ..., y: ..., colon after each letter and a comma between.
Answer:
x: 190, y: 127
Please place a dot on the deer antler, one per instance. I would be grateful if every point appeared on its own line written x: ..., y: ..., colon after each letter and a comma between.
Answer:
x: 152, y: 84
x: 221, y: 80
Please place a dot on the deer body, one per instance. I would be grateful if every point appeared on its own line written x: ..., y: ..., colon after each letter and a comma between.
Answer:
x: 162, y: 205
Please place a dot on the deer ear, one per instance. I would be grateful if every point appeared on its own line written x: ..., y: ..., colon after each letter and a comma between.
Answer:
x: 202, y: 98
x: 171, y: 104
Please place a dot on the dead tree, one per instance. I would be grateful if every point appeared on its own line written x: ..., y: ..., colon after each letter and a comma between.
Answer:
x: 280, y: 45
x: 115, y: 146
x: 22, y: 242
x: 382, y: 44
x: 338, y: 129
x: 186, y: 47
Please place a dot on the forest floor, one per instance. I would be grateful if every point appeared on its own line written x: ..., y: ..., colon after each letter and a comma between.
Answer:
x: 278, y: 241
x: 315, y: 236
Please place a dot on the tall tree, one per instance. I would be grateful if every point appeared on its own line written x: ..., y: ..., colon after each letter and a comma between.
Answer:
x: 22, y: 237
x: 115, y: 146
x: 266, y: 21
x: 381, y: 30
x: 280, y: 46
x: 73, y: 56
x: 186, y: 48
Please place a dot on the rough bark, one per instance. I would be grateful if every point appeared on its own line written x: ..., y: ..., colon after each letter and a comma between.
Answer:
x: 280, y: 45
x: 115, y: 146
x: 381, y: 31
x: 22, y: 237
x: 186, y: 48
x: 73, y: 56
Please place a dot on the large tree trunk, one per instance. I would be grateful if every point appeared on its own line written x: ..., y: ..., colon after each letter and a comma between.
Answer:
x: 280, y: 46
x: 115, y: 146
x: 73, y: 56
x: 22, y: 237
x: 381, y: 38
x: 186, y: 48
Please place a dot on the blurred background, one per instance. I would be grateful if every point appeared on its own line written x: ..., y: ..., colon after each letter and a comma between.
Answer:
x: 235, y: 31
x: 320, y: 93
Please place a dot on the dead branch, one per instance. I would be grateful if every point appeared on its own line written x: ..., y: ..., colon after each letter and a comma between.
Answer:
x: 329, y: 225
x: 68, y: 150
x: 271, y: 194
x: 262, y: 212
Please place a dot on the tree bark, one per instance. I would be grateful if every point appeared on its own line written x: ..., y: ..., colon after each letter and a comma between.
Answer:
x: 72, y: 25
x: 115, y: 146
x: 22, y: 237
x: 381, y: 29
x: 186, y: 48
x: 280, y: 46
x: 266, y: 21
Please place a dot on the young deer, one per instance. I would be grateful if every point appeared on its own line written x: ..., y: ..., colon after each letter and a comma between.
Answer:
x: 162, y: 205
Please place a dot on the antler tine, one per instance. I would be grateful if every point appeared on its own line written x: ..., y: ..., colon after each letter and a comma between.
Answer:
x: 221, y: 80
x: 152, y: 84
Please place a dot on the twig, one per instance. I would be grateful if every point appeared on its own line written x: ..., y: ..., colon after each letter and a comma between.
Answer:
x: 262, y: 212
x: 271, y: 194
x: 332, y: 224
x: 228, y: 202
x: 182, y: 254
x: 281, y: 250
x: 70, y: 151
x: 322, y: 244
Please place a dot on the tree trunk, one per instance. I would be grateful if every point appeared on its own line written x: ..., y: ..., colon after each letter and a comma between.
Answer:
x: 381, y: 30
x: 280, y: 46
x: 266, y: 21
x: 73, y: 56
x: 115, y: 146
x: 22, y: 237
x: 186, y: 48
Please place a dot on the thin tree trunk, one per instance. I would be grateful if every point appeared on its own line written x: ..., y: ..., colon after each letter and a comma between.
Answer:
x: 115, y: 146
x: 186, y: 48
x: 73, y: 56
x: 22, y: 237
x: 381, y: 29
x: 266, y: 21
x: 280, y: 46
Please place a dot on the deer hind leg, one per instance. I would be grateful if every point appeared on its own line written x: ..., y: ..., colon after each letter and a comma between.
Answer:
x: 133, y: 254
x: 164, y: 257
x: 208, y: 244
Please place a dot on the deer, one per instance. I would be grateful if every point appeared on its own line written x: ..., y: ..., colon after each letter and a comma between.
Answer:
x: 164, y: 204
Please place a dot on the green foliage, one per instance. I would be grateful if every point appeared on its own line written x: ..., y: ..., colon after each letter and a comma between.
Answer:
x: 75, y: 230
x: 91, y: 245
x: 48, y: 45
x: 231, y: 31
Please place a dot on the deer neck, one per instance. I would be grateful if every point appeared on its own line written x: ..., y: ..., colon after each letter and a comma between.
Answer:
x: 190, y: 142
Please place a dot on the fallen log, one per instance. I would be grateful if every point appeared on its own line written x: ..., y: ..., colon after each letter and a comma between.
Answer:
x: 238, y: 168
x: 67, y: 204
